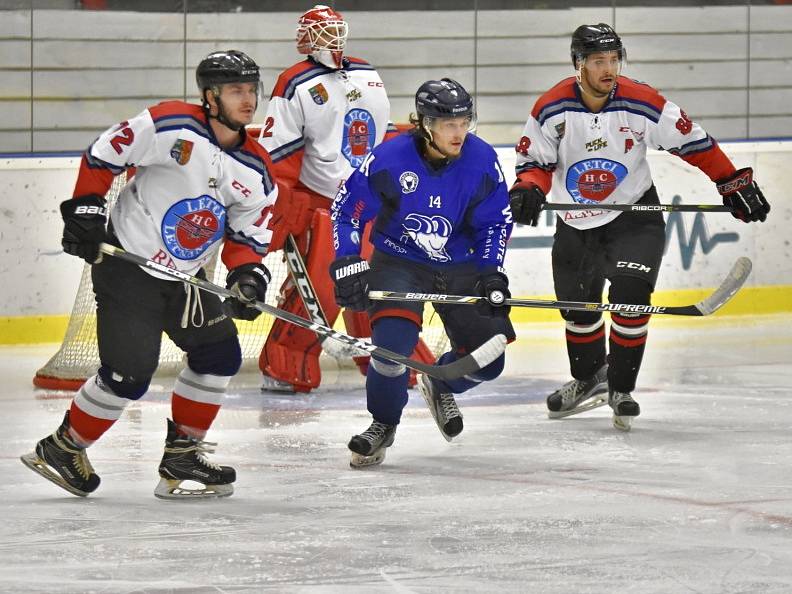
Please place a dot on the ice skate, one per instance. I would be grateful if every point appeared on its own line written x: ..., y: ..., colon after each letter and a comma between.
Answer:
x: 443, y: 408
x: 58, y: 459
x: 625, y: 409
x: 578, y: 396
x: 369, y: 447
x: 184, y: 460
x: 270, y: 384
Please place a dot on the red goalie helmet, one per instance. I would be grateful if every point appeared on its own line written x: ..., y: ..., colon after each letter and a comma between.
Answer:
x: 322, y: 33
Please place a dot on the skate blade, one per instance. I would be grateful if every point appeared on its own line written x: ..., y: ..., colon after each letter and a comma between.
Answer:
x: 39, y: 466
x: 172, y: 489
x: 622, y: 423
x: 361, y: 461
x: 277, y: 387
x: 590, y: 404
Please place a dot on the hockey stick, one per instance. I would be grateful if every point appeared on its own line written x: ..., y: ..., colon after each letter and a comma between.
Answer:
x: 299, y: 274
x: 481, y: 357
x: 712, y: 303
x: 639, y: 207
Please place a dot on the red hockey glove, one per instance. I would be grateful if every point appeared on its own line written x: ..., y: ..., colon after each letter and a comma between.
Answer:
x: 289, y: 216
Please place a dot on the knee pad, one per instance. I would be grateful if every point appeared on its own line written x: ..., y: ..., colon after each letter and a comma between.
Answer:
x: 629, y: 289
x: 584, y: 318
x: 131, y: 388
x: 396, y: 334
x: 217, y: 358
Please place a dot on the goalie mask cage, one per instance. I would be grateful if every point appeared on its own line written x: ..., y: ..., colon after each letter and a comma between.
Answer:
x: 78, y: 355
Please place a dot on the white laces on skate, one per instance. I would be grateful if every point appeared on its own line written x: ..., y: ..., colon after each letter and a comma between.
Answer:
x: 376, y: 432
x: 449, y: 406
x: 201, y: 448
x: 570, y: 392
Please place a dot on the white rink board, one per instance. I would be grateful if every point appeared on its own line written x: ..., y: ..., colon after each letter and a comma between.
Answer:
x: 701, y: 248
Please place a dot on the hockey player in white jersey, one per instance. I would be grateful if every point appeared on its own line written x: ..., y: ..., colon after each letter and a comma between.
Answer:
x: 200, y: 183
x: 588, y: 137
x: 326, y: 113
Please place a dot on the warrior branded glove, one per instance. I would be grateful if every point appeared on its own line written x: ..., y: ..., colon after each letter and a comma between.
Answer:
x: 743, y: 196
x: 350, y: 276
x: 85, y: 220
x: 495, y: 287
x: 526, y: 203
x: 248, y: 283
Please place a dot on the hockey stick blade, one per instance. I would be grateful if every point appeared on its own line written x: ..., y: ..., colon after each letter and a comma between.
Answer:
x: 481, y: 357
x: 717, y: 299
x: 639, y: 207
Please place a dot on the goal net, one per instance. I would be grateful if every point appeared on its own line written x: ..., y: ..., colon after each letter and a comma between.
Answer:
x: 78, y: 355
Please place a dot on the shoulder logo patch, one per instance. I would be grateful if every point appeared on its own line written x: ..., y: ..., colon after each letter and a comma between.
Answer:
x: 408, y: 182
x: 319, y: 94
x: 181, y: 151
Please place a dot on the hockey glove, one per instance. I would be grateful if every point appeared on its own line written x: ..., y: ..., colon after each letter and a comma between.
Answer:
x: 526, y: 203
x: 495, y: 287
x: 290, y: 215
x: 85, y: 220
x: 248, y: 283
x: 743, y: 196
x: 350, y: 276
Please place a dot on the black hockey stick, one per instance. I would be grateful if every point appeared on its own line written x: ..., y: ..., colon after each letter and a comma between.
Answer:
x: 481, y: 357
x: 730, y: 285
x: 639, y: 207
x: 299, y: 273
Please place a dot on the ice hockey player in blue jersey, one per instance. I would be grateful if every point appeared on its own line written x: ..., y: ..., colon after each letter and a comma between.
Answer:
x: 442, y: 220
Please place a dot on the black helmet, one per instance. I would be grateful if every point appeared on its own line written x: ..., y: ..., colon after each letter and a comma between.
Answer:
x: 444, y: 98
x: 590, y: 39
x: 225, y: 67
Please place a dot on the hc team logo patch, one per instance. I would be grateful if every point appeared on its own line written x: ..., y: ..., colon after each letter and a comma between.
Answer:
x: 358, y: 136
x: 319, y: 94
x: 192, y: 226
x: 181, y: 151
x: 408, y: 181
x: 592, y: 180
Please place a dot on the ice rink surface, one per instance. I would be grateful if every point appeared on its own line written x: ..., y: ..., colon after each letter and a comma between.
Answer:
x: 697, y: 498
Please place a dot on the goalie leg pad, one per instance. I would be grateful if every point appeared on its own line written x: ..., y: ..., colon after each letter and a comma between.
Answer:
x: 291, y: 354
x: 386, y: 382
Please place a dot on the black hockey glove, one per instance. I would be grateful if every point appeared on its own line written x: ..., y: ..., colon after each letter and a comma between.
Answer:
x: 350, y: 276
x: 743, y: 196
x: 85, y: 221
x: 495, y: 287
x: 248, y: 283
x: 526, y: 203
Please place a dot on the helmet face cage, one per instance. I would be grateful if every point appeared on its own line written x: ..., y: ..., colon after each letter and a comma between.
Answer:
x: 321, y: 28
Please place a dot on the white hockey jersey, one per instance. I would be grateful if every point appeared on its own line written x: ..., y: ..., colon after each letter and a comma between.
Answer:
x: 187, y: 193
x: 322, y: 123
x: 592, y: 158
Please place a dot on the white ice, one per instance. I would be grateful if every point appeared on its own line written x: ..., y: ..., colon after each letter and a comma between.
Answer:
x: 697, y: 498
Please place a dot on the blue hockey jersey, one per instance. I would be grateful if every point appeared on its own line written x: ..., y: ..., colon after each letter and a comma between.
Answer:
x: 455, y: 215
